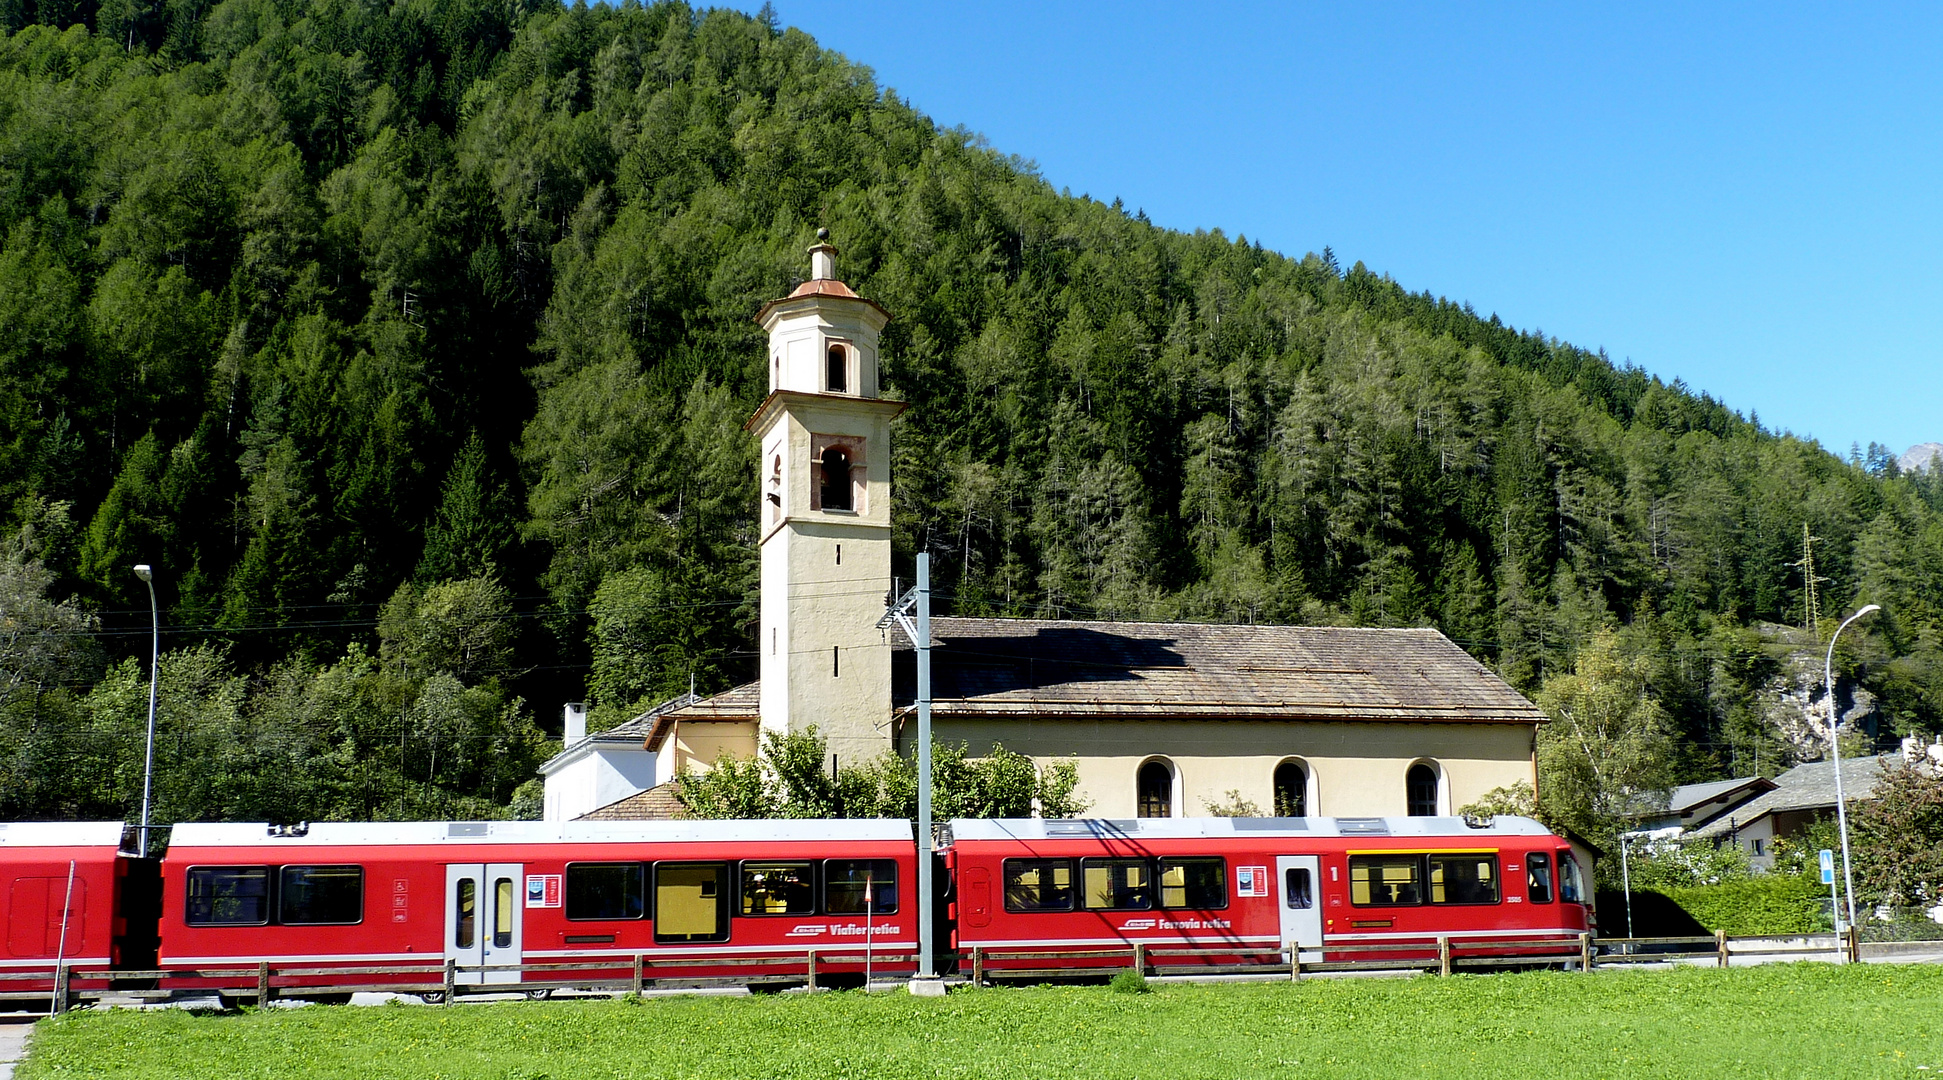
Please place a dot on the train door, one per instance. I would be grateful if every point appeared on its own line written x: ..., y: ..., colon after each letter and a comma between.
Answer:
x: 975, y: 896
x: 43, y: 921
x: 482, y: 920
x: 1299, y: 880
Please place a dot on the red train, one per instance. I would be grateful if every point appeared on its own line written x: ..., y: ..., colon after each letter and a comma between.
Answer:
x: 763, y: 902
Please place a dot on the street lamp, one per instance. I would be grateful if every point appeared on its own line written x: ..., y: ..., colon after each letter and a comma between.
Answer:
x: 1835, y: 752
x: 154, y: 654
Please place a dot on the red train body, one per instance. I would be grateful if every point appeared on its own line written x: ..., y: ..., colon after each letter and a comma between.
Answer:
x: 492, y: 896
x: 64, y: 885
x: 753, y: 900
x: 1253, y: 887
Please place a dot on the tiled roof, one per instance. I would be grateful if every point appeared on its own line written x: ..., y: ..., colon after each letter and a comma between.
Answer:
x: 1036, y: 668
x: 821, y: 287
x: 1805, y: 787
x: 658, y: 803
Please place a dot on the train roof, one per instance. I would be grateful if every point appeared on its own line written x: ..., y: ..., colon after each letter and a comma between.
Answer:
x: 61, y: 833
x: 382, y: 833
x: 1201, y: 827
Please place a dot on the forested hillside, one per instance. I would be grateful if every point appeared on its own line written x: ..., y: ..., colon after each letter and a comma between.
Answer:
x: 412, y: 345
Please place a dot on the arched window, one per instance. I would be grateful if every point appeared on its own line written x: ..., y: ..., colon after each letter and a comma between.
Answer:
x: 1420, y: 785
x: 1291, y: 790
x: 776, y: 491
x: 836, y: 479
x: 1155, y: 782
x: 837, y: 376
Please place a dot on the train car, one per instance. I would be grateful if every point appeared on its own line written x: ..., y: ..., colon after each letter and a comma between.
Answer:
x: 64, y: 884
x: 1246, y: 890
x: 693, y: 899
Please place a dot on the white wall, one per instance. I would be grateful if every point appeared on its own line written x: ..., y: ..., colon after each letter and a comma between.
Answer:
x: 604, y: 775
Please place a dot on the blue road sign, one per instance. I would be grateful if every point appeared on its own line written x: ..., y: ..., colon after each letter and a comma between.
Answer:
x: 1828, y: 867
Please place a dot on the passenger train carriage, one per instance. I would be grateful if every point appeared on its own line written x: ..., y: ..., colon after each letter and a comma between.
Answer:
x: 503, y: 905
x: 1253, y: 888
x: 493, y: 896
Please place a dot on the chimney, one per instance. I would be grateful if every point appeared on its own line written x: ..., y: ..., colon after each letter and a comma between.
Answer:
x: 823, y: 257
x: 576, y: 722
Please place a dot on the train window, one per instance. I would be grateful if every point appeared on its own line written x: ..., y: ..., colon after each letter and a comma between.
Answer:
x: 1301, y: 894
x: 228, y: 896
x: 1201, y: 884
x: 466, y: 927
x: 691, y: 901
x: 606, y: 891
x: 1570, y: 888
x: 1117, y: 884
x: 1386, y: 880
x: 778, y: 888
x: 502, y: 913
x: 1038, y: 884
x: 1464, y: 878
x: 1538, y: 877
x: 846, y: 881
x: 320, y: 895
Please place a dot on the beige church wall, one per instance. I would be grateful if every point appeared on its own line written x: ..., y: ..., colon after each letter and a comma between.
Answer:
x: 1357, y: 769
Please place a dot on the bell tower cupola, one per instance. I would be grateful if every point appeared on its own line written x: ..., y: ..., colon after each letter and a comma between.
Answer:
x: 825, y: 482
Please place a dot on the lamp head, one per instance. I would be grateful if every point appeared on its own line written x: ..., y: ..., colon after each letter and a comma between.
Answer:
x: 1869, y: 610
x: 142, y: 571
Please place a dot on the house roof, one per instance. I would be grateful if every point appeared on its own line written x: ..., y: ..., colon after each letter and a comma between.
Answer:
x: 1697, y: 804
x: 1000, y: 668
x: 628, y: 734
x: 657, y: 803
x: 744, y: 703
x: 1804, y: 787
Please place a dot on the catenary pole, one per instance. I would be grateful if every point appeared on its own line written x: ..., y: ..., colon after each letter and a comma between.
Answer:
x: 927, y: 968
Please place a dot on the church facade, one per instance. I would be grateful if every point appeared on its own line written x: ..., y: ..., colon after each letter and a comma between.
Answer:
x: 1160, y: 719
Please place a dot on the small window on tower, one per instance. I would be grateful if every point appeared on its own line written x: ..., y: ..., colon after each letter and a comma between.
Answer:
x: 838, y: 378
x: 836, y: 479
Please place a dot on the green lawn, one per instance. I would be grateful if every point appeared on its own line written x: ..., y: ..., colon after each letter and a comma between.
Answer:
x: 1798, y: 1020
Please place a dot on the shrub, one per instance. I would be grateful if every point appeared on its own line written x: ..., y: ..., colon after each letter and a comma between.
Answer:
x: 1767, y: 906
x: 1130, y: 981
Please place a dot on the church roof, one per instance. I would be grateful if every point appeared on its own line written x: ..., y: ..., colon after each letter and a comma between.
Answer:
x: 1000, y: 668
x: 830, y: 287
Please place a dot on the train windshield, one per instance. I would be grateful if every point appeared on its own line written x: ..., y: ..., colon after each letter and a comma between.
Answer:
x: 1570, y: 887
x: 1538, y: 877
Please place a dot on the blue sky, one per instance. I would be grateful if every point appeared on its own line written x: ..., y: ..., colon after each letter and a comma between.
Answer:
x: 1742, y: 197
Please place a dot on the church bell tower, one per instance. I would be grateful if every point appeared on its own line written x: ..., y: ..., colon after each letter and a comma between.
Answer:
x: 825, y: 517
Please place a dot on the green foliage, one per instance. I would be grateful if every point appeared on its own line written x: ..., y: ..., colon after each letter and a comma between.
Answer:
x: 1897, y: 838
x: 1233, y: 805
x: 1667, y: 865
x: 1129, y: 981
x: 1767, y: 905
x: 1608, y: 744
x: 790, y: 778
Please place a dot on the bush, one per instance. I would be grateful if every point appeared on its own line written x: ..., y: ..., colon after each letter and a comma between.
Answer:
x: 1130, y: 981
x: 1771, y: 905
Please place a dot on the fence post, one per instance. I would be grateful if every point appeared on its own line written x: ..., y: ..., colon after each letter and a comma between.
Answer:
x: 1443, y: 955
x: 60, y: 990
x: 262, y: 983
x: 812, y: 971
x: 978, y: 967
x: 1295, y: 962
x: 1585, y: 952
x: 1853, y: 941
x: 1140, y: 957
x: 451, y: 979
x: 1720, y: 946
x: 638, y: 964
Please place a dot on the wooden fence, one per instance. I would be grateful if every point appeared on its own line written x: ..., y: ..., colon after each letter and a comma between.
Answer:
x: 441, y: 980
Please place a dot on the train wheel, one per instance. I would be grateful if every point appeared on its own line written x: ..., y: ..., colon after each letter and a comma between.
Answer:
x: 433, y: 997
x: 538, y: 995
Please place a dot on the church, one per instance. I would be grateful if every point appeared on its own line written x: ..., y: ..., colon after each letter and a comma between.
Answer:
x: 1161, y: 720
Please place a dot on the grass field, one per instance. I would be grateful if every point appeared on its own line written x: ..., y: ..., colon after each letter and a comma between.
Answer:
x: 1800, y: 1020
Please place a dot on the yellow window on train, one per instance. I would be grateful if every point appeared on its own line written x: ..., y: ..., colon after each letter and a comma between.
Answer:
x: 691, y: 901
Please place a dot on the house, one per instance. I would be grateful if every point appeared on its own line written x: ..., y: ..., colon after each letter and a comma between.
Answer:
x: 1691, y: 806
x: 1800, y: 797
x: 1161, y: 720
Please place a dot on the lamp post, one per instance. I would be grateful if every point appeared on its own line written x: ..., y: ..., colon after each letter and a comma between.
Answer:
x: 154, y: 655
x: 1835, y: 754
